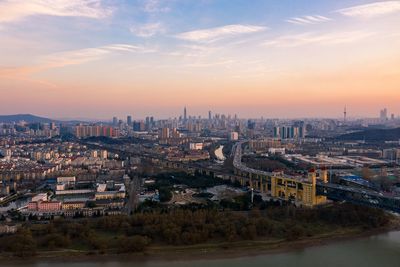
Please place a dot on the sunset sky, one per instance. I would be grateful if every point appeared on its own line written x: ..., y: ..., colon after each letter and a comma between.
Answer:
x: 271, y: 58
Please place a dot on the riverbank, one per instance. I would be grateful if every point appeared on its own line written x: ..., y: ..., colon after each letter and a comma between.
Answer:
x: 208, y: 251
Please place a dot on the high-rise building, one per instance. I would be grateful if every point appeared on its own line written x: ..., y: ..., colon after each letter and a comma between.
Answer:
x: 148, y: 125
x: 289, y: 132
x: 184, y: 114
x: 129, y: 120
x: 93, y: 154
x: 209, y: 115
x: 383, y: 114
x: 251, y: 125
x: 82, y: 131
x: 103, y: 154
x: 115, y: 121
x: 139, y: 126
x: 164, y: 133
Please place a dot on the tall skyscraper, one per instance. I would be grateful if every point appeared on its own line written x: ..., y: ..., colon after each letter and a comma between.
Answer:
x: 129, y: 120
x: 148, y: 126
x: 384, y: 114
x: 209, y: 115
x: 184, y: 114
x: 115, y: 121
x: 345, y: 114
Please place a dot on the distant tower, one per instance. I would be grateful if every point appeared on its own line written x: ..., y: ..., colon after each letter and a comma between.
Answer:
x: 209, y: 115
x: 384, y: 114
x: 184, y: 114
x: 345, y: 114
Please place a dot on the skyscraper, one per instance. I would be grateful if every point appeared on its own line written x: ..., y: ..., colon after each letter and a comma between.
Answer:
x: 184, y: 114
x: 164, y: 133
x: 129, y: 120
x: 289, y: 132
x: 209, y: 115
x: 115, y: 121
x: 384, y: 114
x: 148, y: 126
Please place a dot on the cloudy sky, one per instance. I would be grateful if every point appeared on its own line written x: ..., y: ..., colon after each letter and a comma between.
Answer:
x: 298, y: 58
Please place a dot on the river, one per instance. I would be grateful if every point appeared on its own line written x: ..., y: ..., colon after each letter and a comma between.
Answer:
x: 376, y: 251
x: 219, y: 154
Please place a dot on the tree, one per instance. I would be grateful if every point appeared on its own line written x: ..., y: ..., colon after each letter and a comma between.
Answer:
x: 22, y: 243
x: 294, y: 233
x: 135, y: 243
x: 367, y: 174
x: 165, y: 194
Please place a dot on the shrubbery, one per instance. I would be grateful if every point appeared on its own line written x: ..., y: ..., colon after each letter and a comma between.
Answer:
x: 126, y: 234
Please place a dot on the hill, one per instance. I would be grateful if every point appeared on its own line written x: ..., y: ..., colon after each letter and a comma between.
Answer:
x: 373, y: 135
x: 23, y: 117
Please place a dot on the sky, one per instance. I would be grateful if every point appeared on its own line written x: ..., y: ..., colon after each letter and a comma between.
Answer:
x: 270, y: 58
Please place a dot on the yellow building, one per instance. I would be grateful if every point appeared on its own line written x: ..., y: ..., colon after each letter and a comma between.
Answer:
x: 73, y: 205
x: 298, y: 189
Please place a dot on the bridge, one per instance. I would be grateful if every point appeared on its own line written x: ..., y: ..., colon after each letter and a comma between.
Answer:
x: 336, y: 192
x: 358, y: 196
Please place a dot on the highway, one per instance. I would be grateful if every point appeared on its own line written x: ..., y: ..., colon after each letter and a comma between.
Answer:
x: 238, y: 164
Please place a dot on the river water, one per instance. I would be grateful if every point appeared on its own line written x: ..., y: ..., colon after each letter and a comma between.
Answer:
x: 376, y: 251
x: 219, y: 154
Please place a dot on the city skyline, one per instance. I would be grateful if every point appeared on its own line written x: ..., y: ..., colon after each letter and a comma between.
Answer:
x: 382, y: 114
x: 183, y: 132
x: 97, y: 59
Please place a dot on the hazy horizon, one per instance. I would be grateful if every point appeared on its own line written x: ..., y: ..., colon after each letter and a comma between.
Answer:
x: 204, y: 115
x: 277, y: 59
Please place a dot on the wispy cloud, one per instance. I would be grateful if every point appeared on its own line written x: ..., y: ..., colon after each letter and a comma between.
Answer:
x: 14, y: 10
x: 211, y: 63
x: 192, y: 51
x: 147, y: 30
x: 14, y: 71
x: 305, y: 20
x: 73, y: 57
x: 372, y: 9
x: 213, y: 34
x: 81, y: 56
x: 88, y: 54
x: 311, y: 38
x: 155, y: 6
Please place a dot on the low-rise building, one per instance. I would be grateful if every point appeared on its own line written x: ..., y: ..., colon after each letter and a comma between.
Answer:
x: 44, y: 206
x: 73, y: 205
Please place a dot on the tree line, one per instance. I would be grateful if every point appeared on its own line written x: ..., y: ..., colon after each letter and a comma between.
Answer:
x: 186, y: 226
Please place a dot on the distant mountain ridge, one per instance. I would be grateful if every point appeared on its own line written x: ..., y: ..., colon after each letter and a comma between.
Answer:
x: 373, y: 135
x: 24, y: 117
